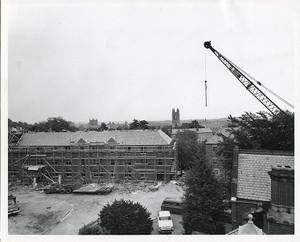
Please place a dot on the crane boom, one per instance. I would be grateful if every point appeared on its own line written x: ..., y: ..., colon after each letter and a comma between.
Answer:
x: 248, y: 84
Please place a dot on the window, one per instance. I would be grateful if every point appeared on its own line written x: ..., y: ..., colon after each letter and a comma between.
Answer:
x: 68, y: 162
x: 216, y: 172
x: 68, y: 175
x: 215, y: 149
x: 112, y: 163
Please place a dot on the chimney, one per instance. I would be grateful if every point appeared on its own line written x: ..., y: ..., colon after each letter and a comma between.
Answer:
x: 281, y: 213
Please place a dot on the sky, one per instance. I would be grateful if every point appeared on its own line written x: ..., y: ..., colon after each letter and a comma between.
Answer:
x: 120, y: 60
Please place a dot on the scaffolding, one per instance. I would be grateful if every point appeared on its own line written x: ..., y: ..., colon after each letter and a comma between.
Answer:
x: 93, y: 163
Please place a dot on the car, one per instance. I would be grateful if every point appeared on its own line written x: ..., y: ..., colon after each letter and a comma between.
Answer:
x: 13, y: 207
x: 165, y: 223
x: 174, y: 205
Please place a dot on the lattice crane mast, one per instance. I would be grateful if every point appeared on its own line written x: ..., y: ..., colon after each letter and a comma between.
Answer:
x: 246, y: 82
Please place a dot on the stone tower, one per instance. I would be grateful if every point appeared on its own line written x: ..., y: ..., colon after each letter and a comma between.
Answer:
x: 175, y: 118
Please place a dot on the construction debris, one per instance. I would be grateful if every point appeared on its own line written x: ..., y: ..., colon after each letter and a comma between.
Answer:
x: 95, y: 188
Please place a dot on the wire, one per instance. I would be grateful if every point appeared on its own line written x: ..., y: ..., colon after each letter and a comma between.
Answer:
x: 259, y: 83
x: 205, y: 78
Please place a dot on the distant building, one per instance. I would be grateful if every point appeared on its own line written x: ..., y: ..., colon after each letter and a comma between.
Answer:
x: 175, y: 118
x: 134, y: 155
x: 203, y: 134
x: 263, y: 185
x: 215, y: 125
x: 93, y: 122
x: 212, y: 158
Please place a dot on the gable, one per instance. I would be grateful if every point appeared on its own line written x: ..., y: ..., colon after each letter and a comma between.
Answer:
x: 111, y: 140
x: 81, y: 141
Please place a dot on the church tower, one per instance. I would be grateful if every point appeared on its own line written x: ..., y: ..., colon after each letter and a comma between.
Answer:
x: 175, y: 118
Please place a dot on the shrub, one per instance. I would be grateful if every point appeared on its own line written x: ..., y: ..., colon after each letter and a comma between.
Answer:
x: 125, y: 217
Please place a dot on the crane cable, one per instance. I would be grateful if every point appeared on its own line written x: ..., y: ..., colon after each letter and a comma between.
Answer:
x: 205, y: 78
x: 259, y: 83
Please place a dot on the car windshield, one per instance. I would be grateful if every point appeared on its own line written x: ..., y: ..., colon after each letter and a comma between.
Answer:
x: 165, y: 218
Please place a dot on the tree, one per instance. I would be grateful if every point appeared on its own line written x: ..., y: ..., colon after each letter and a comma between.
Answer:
x: 125, y: 218
x: 188, y: 149
x: 134, y: 125
x: 144, y: 124
x: 192, y: 125
x: 55, y: 124
x: 25, y: 126
x: 167, y: 130
x: 195, y: 124
x: 203, y: 207
x: 258, y: 131
x: 103, y: 127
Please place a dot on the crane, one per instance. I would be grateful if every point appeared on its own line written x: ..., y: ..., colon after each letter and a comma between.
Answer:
x: 247, y: 83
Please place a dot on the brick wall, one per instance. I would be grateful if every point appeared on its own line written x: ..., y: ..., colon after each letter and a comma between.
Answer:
x: 277, y: 228
x: 240, y: 211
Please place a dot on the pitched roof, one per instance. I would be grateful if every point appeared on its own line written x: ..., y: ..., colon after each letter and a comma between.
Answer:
x: 215, y: 139
x: 248, y: 228
x: 130, y: 137
x: 253, y: 180
x: 199, y: 131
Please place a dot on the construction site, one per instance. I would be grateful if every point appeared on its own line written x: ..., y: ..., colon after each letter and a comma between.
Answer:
x: 86, y: 157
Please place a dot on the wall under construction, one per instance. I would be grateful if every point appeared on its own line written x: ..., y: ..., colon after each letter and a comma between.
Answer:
x: 92, y: 162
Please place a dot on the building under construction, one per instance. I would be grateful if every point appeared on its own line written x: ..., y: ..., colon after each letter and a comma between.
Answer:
x: 134, y: 155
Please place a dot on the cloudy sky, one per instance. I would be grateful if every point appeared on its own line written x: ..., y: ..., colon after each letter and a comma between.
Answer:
x: 120, y: 60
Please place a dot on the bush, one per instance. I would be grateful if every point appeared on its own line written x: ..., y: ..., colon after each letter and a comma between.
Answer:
x: 93, y: 229
x: 125, y: 217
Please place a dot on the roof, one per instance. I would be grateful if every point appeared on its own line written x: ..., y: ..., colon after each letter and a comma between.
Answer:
x: 215, y: 139
x: 248, y: 228
x: 164, y: 213
x: 130, y: 137
x: 199, y: 131
x: 170, y: 199
x: 253, y: 181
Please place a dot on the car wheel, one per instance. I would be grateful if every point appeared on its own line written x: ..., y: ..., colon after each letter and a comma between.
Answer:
x: 68, y: 190
x: 62, y: 191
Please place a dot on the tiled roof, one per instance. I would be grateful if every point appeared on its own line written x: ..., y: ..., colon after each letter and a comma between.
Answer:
x: 215, y: 139
x: 130, y: 137
x: 253, y: 180
x: 199, y: 131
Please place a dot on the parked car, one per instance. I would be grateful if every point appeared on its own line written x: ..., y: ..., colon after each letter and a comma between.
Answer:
x: 165, y: 223
x: 13, y: 207
x: 58, y: 188
x: 174, y: 205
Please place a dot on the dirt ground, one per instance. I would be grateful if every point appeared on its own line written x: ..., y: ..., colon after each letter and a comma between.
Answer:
x: 64, y: 214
